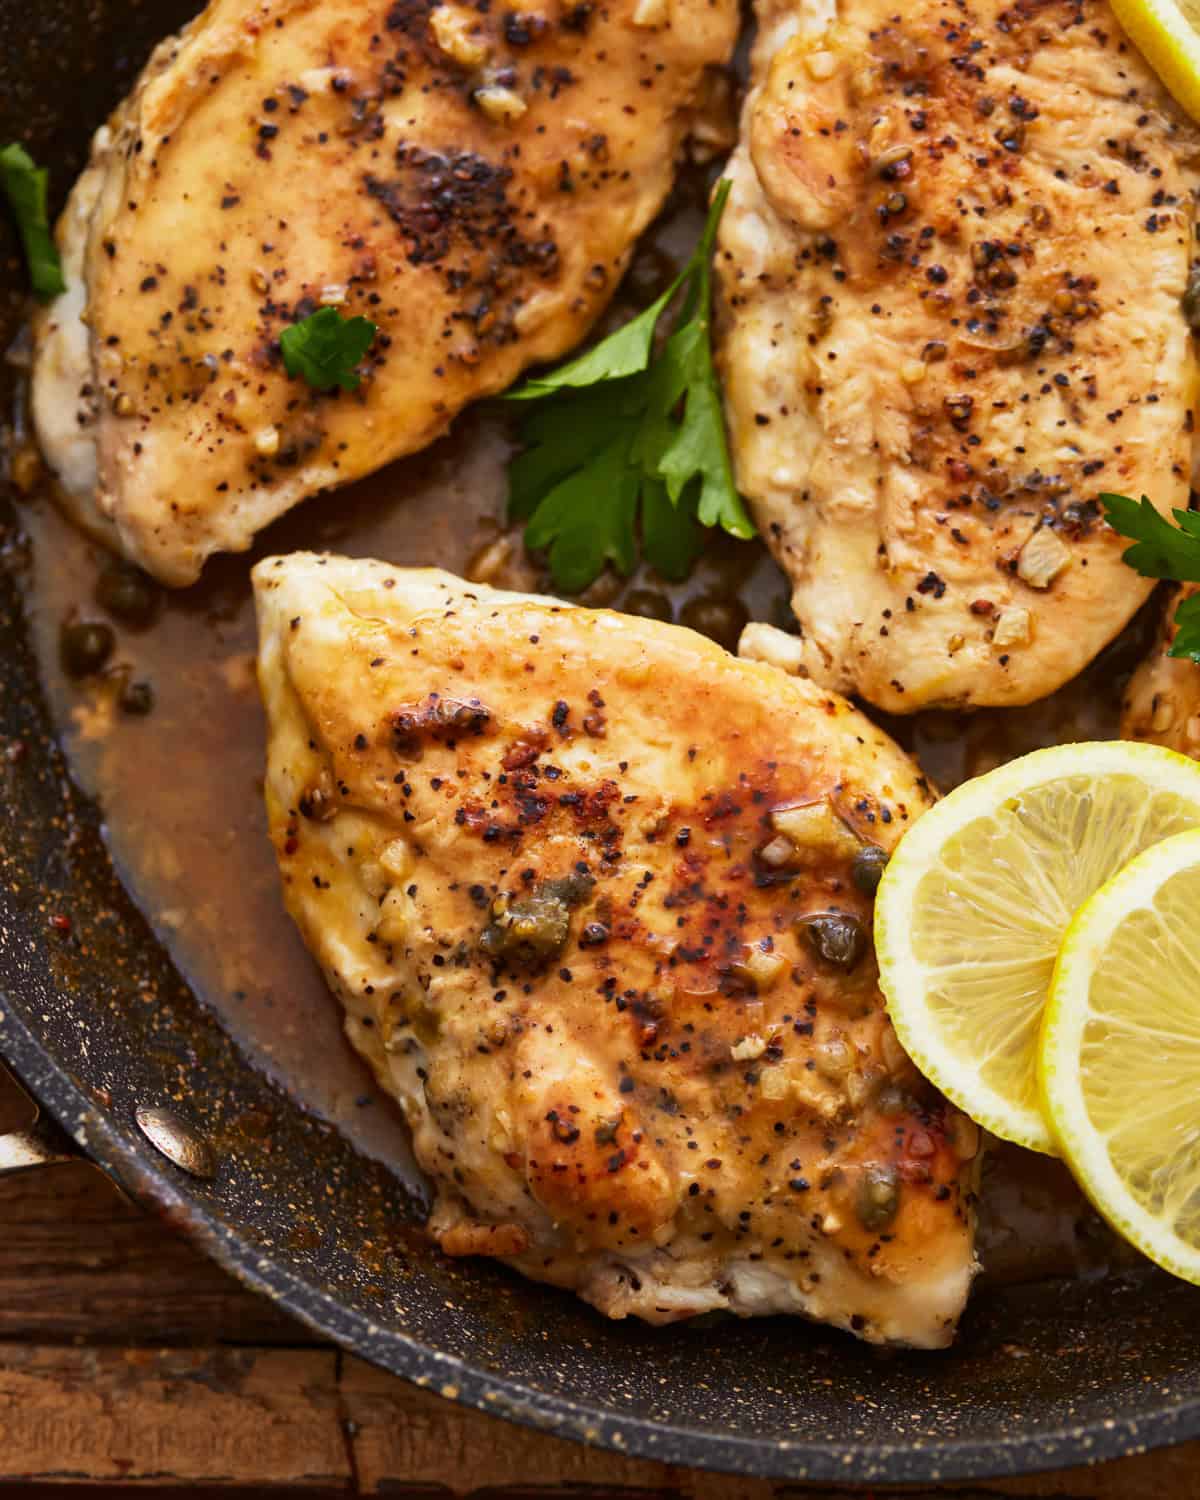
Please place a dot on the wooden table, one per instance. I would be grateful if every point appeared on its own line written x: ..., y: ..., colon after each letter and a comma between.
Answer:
x: 125, y: 1357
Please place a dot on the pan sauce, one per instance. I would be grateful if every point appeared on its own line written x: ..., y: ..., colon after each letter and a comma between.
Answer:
x: 180, y: 788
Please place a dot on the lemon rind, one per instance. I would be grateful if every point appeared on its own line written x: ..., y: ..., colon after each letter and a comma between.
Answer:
x: 1161, y: 32
x: 902, y: 973
x: 1060, y: 1082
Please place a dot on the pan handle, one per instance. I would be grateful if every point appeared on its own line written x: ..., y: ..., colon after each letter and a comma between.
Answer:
x: 39, y: 1144
x: 42, y: 1145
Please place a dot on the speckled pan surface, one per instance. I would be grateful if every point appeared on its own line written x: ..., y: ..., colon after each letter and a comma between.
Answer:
x: 97, y: 1023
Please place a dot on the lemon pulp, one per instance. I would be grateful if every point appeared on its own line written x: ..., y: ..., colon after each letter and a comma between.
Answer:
x: 974, y: 904
x: 1119, y: 1059
x: 1167, y: 33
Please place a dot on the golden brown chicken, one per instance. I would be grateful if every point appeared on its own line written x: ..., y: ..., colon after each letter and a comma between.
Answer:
x: 469, y: 178
x: 1162, y: 702
x: 952, y: 265
x: 596, y: 898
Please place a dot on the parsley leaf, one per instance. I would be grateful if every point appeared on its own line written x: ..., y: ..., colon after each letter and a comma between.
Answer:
x: 1187, y: 629
x: 696, y: 449
x: 587, y: 519
x: 325, y: 348
x: 25, y: 188
x: 623, y: 353
x: 672, y: 538
x: 1161, y: 550
x: 555, y: 447
x: 621, y: 438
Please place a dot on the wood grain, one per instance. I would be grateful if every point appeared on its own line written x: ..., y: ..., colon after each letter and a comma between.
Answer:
x: 314, y: 1418
x: 188, y: 1415
x: 78, y: 1260
x: 127, y: 1358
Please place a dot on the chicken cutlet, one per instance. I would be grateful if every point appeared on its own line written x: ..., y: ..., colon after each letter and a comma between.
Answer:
x: 952, y: 267
x: 469, y: 178
x: 596, y: 897
x: 1162, y: 701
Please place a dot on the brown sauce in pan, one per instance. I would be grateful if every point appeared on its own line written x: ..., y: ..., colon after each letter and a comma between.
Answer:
x: 180, y: 786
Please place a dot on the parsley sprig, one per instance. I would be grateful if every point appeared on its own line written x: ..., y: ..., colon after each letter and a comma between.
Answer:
x: 1161, y: 550
x: 623, y: 435
x: 24, y: 186
x: 325, y: 347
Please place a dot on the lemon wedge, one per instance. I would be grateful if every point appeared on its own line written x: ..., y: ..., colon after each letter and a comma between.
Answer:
x: 1167, y: 34
x: 1119, y: 1059
x: 973, y: 906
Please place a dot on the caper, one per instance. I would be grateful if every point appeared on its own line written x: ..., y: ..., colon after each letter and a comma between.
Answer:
x: 893, y: 1101
x: 649, y: 604
x: 85, y: 647
x: 878, y: 1197
x: 574, y: 888
x: 528, y: 933
x: 722, y: 619
x: 781, y: 615
x: 128, y: 594
x: 1191, y: 299
x: 836, y: 939
x: 136, y: 698
x: 602, y: 591
x: 868, y: 867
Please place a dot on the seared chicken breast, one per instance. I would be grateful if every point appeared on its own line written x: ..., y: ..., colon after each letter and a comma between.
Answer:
x: 595, y: 897
x: 1162, y: 702
x: 470, y: 179
x: 952, y: 264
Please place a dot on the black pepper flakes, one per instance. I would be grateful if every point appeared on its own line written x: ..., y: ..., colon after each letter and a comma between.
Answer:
x: 932, y: 584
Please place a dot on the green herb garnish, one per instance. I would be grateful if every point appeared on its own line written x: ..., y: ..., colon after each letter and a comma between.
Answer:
x: 1161, y: 550
x: 622, y: 434
x: 325, y: 347
x: 25, y: 188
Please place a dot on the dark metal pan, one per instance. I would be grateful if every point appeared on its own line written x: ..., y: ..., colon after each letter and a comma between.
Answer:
x: 99, y: 1025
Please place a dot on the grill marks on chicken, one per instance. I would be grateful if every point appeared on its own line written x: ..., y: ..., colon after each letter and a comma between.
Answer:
x: 586, y: 886
x: 952, y: 264
x: 471, y: 179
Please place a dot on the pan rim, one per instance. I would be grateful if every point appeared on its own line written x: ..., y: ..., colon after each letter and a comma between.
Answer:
x: 454, y: 1378
x: 1159, y: 1420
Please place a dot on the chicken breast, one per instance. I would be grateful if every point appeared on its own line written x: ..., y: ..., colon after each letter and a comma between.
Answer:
x: 1162, y: 702
x: 592, y: 893
x: 952, y: 264
x: 471, y: 179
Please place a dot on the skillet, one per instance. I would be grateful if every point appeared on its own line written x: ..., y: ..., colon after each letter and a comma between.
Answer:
x: 99, y: 1025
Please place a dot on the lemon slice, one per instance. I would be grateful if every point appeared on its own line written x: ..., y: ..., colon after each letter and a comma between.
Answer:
x: 1119, y: 1060
x: 973, y: 906
x: 1167, y: 34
